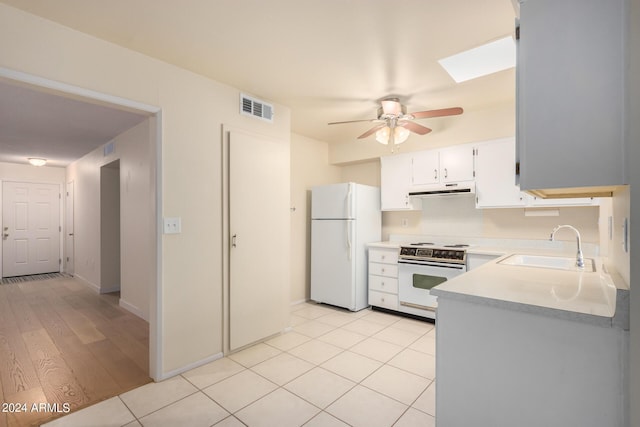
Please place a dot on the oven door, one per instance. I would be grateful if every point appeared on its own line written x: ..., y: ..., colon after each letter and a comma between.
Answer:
x: 415, y: 280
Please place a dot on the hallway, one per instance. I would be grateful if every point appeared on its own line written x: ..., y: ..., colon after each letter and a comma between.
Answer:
x: 65, y: 345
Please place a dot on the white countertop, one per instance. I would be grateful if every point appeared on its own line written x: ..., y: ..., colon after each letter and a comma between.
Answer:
x: 599, y: 297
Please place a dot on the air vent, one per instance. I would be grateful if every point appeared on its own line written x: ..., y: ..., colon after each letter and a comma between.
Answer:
x: 256, y: 108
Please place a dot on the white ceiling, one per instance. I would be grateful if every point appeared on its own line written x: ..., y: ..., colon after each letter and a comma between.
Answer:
x: 328, y: 60
x: 59, y: 129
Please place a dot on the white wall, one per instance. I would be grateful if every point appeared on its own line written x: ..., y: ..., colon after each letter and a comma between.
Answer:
x: 131, y: 264
x: 110, y: 227
x: 28, y: 173
x: 193, y: 111
x: 309, y: 167
x: 135, y: 149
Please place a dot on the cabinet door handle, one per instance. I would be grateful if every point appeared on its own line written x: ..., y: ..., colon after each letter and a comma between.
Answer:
x: 233, y: 240
x: 446, y: 174
x: 435, y: 174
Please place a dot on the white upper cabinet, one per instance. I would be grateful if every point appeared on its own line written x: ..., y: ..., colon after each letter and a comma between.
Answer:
x: 395, y: 179
x: 425, y: 168
x: 451, y: 164
x: 402, y: 172
x: 456, y: 163
x: 496, y: 175
x: 571, y: 94
x: 496, y: 180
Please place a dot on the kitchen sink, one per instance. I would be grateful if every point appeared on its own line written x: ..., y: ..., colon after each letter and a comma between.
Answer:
x: 552, y: 262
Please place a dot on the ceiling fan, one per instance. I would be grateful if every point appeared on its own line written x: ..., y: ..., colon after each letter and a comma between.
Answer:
x: 394, y: 124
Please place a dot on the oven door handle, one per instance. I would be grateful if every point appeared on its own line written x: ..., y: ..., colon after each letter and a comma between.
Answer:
x: 421, y: 307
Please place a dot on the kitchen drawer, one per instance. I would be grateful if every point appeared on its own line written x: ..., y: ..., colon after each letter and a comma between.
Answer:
x: 381, y: 299
x: 386, y: 256
x: 384, y: 284
x: 388, y: 270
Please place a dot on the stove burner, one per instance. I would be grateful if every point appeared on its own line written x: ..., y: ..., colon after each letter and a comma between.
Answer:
x: 422, y: 244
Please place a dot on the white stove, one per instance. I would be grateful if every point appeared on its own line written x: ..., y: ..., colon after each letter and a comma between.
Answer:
x: 422, y: 266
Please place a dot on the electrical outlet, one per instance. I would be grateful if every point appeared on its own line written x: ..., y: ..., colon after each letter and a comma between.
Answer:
x: 172, y: 225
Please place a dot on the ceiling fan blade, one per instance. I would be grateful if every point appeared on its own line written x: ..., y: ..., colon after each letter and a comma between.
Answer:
x: 351, y: 121
x: 437, y: 113
x: 372, y: 131
x: 415, y: 128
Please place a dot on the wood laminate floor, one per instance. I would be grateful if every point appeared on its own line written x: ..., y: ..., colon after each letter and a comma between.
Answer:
x: 62, y: 345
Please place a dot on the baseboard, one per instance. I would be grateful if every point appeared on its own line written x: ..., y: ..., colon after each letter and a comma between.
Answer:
x: 91, y: 285
x: 109, y: 290
x: 133, y: 309
x: 167, y: 375
x: 301, y: 301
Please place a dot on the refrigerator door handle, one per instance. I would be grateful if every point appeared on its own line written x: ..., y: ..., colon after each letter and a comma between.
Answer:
x: 349, y: 198
x: 349, y: 239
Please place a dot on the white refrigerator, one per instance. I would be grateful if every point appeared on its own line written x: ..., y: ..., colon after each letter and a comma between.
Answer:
x: 344, y: 218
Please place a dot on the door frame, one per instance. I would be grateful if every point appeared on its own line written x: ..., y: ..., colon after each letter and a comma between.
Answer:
x: 69, y: 232
x: 60, y: 207
x: 156, y: 370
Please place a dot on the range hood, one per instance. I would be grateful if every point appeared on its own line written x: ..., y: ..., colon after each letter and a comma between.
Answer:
x: 443, y: 189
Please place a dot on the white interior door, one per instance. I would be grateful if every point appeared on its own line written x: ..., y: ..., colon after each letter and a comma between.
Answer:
x: 31, y: 228
x: 259, y: 237
x: 69, y: 230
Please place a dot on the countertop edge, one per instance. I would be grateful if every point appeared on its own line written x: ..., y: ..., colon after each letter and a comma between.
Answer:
x: 592, y: 319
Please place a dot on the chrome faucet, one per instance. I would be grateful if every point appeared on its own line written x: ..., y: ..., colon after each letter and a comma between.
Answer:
x: 579, y: 256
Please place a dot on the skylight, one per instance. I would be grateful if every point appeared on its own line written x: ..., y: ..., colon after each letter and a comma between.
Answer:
x: 480, y: 61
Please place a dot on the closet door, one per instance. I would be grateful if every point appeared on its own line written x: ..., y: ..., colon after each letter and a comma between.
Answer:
x: 258, y: 237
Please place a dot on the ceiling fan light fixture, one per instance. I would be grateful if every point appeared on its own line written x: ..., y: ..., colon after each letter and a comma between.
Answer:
x: 400, y: 135
x: 37, y: 161
x: 382, y: 135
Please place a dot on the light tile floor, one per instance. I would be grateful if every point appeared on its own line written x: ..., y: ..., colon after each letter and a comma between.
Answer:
x: 335, y: 368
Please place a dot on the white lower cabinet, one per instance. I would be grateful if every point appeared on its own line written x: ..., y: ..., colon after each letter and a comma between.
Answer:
x: 476, y: 260
x: 384, y: 300
x: 504, y: 374
x: 383, y: 277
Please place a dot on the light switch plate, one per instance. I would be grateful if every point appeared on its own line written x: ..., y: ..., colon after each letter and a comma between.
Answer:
x: 172, y: 225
